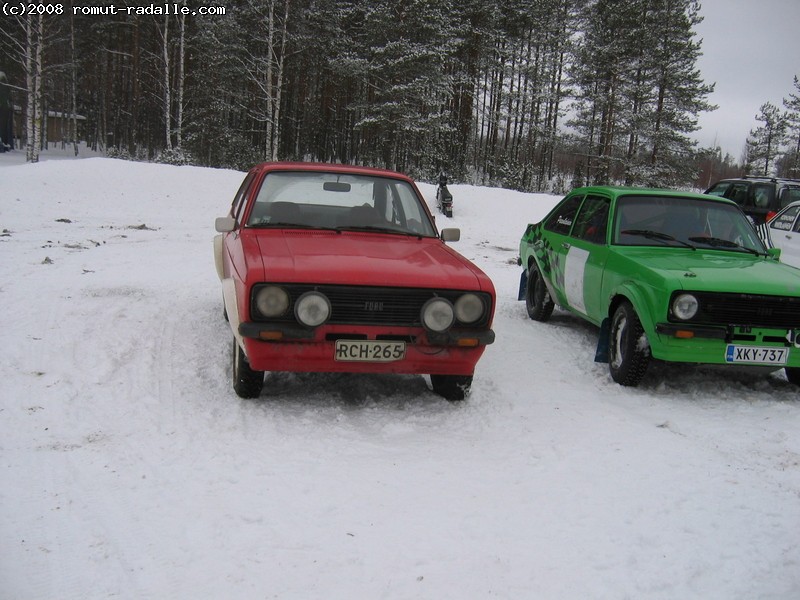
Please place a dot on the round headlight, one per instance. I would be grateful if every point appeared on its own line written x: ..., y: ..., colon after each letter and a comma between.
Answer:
x: 437, y: 314
x: 272, y: 301
x: 312, y: 309
x: 685, y: 306
x: 469, y: 308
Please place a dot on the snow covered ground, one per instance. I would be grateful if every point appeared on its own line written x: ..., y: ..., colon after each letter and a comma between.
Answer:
x: 129, y: 469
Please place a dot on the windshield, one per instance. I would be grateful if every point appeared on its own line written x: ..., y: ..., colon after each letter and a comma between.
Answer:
x: 339, y: 201
x: 684, y: 222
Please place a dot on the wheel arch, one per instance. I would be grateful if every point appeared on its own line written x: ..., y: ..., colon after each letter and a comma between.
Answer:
x: 638, y: 300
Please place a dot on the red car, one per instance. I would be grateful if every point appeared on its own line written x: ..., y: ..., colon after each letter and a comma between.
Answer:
x: 333, y: 268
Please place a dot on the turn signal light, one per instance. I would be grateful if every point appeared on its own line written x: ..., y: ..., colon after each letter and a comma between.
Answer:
x: 684, y: 335
x: 271, y: 336
x: 468, y: 342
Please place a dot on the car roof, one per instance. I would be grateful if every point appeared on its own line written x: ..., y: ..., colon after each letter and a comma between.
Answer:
x: 760, y: 179
x: 328, y: 168
x: 618, y: 191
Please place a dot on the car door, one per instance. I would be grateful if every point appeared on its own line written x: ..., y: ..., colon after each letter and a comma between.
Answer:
x: 556, y: 245
x: 784, y: 232
x: 586, y: 257
x: 233, y: 253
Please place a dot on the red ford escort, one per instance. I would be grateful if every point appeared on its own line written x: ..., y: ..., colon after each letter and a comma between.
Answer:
x: 333, y: 268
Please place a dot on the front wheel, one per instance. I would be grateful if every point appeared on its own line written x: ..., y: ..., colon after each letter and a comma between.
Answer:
x: 793, y: 374
x: 538, y: 302
x: 452, y: 387
x: 247, y: 382
x: 628, y: 350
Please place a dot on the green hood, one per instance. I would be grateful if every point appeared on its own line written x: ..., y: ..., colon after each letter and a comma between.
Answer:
x: 715, y: 270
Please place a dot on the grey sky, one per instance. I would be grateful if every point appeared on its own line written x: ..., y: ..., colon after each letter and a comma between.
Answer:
x: 751, y: 50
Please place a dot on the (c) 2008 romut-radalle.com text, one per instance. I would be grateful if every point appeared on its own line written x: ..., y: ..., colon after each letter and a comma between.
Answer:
x: 22, y: 9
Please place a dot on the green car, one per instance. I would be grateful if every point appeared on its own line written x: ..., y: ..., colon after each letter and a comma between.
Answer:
x: 674, y: 276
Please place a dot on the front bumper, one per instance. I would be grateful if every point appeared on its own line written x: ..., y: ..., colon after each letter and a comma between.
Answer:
x: 290, y: 347
x: 708, y: 344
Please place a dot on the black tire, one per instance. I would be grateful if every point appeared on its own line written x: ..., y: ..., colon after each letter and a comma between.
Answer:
x: 538, y: 302
x: 247, y: 382
x: 627, y: 356
x: 452, y: 387
x: 793, y: 374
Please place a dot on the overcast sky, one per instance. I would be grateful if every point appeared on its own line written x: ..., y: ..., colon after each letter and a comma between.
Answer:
x: 751, y: 50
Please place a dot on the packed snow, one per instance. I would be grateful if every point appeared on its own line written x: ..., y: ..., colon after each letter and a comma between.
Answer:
x: 130, y: 469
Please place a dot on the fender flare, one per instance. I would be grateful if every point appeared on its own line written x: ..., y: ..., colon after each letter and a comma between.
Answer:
x: 218, y: 256
x: 232, y: 307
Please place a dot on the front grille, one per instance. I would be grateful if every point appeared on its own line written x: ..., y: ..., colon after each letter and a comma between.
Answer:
x: 364, y: 305
x: 747, y: 310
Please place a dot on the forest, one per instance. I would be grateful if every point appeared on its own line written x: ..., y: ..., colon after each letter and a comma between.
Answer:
x: 534, y: 95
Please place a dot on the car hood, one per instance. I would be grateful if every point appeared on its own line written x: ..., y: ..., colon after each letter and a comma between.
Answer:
x: 356, y: 258
x: 722, y: 271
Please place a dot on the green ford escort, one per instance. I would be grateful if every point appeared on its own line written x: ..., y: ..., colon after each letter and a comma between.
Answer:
x: 669, y: 275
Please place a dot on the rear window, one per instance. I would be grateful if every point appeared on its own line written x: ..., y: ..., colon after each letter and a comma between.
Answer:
x: 719, y: 189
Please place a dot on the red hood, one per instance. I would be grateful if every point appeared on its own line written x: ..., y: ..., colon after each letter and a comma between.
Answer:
x: 355, y: 258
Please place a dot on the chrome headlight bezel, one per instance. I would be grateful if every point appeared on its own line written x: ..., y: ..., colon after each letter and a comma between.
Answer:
x: 469, y: 308
x: 312, y: 309
x: 438, y: 315
x: 271, y: 301
x: 685, y: 306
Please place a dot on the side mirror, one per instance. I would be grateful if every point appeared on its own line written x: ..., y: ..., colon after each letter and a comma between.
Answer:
x: 451, y: 234
x: 225, y: 224
x: 774, y: 253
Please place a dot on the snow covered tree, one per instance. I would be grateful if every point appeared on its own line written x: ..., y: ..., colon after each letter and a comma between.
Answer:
x: 638, y: 90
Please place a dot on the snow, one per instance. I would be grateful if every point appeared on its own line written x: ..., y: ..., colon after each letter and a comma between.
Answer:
x: 130, y: 469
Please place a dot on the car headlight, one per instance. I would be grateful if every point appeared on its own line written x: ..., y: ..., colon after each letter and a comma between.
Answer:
x: 312, y: 309
x: 272, y: 301
x: 685, y: 306
x: 469, y: 308
x: 437, y: 314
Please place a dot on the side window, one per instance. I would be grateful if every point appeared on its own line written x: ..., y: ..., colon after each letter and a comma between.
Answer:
x: 592, y: 221
x: 239, y: 200
x: 564, y: 216
x: 789, y: 195
x: 762, y: 195
x: 784, y: 222
x: 738, y: 193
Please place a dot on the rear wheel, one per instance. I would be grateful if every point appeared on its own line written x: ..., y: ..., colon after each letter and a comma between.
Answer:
x: 247, y: 382
x: 538, y: 302
x: 628, y: 350
x: 451, y: 387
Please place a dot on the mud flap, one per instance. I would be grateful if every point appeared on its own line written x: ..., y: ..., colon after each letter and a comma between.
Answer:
x: 523, y: 285
x: 601, y: 354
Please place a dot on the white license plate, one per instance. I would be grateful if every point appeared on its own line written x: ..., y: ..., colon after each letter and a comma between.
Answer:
x: 755, y: 355
x: 369, y: 351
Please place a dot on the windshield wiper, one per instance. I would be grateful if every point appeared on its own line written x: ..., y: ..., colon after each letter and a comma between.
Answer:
x: 656, y: 235
x: 378, y: 229
x: 723, y: 243
x: 280, y: 224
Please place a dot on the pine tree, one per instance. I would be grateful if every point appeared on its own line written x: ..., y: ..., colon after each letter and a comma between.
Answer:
x: 764, y: 142
x: 791, y: 161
